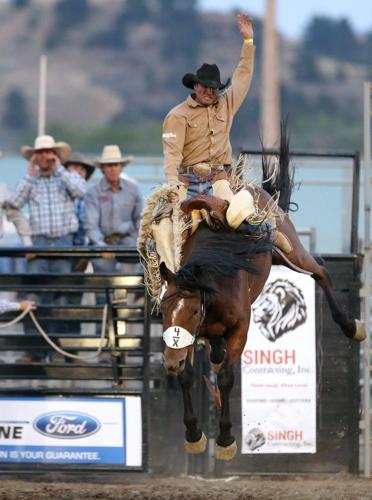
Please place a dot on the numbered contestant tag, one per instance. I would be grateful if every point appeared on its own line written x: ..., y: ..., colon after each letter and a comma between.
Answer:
x: 177, y: 337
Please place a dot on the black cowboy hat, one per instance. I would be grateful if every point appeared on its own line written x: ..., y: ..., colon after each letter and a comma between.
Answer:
x: 207, y: 75
x: 79, y: 159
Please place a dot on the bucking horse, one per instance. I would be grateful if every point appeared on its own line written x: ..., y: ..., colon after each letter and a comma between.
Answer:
x: 220, y: 273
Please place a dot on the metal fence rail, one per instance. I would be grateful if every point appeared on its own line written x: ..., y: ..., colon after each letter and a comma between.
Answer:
x: 367, y: 290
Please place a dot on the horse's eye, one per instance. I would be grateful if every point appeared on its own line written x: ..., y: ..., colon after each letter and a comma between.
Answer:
x: 195, y: 312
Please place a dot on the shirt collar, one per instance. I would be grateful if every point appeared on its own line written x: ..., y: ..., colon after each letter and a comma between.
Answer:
x: 193, y: 104
x: 106, y: 186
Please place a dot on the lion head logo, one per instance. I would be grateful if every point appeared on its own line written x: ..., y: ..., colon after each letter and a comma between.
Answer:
x: 255, y: 439
x: 280, y: 309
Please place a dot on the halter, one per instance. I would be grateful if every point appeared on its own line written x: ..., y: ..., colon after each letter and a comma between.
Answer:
x: 202, y: 307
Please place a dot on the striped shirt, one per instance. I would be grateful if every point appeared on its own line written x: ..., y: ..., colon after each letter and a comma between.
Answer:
x: 51, y: 203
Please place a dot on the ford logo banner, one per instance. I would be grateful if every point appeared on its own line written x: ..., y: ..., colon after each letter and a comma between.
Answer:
x: 66, y: 425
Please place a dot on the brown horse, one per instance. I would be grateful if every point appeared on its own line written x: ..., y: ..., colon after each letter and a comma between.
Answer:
x: 222, y: 273
x: 211, y: 295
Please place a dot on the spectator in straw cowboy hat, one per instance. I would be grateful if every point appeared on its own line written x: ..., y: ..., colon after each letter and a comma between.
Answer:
x: 114, y: 204
x: 50, y: 191
x: 112, y: 208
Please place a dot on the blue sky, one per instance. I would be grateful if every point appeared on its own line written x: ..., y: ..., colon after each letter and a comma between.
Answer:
x: 293, y: 15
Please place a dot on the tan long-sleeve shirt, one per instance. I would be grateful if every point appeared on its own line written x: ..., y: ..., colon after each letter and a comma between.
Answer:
x: 193, y: 133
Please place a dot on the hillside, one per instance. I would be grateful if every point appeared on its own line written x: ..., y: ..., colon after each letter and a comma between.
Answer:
x: 115, y: 69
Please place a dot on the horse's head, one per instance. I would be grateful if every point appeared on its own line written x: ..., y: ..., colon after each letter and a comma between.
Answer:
x: 183, y: 313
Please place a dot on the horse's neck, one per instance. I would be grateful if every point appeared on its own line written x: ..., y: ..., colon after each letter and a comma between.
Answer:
x: 192, y: 241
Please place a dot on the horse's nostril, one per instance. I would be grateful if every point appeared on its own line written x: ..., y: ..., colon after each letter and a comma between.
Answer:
x: 174, y: 369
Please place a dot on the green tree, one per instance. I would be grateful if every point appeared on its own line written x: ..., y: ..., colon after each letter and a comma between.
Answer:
x: 305, y: 66
x: 182, y: 29
x: 70, y: 13
x: 133, y: 13
x: 67, y: 14
x: 328, y: 37
x: 16, y: 114
x: 20, y: 4
x: 365, y: 54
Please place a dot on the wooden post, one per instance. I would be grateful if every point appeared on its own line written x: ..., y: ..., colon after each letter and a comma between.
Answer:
x: 42, y: 94
x: 270, y: 93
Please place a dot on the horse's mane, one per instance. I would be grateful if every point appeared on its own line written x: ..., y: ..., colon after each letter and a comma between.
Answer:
x: 283, y: 180
x: 219, y: 253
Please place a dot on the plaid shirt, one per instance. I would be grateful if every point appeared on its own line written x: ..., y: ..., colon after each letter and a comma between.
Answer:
x: 51, y: 201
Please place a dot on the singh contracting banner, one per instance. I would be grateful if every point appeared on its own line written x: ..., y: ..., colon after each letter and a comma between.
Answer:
x: 278, y: 368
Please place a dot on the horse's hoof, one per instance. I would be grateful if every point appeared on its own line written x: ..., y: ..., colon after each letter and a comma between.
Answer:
x: 360, y: 331
x: 197, y: 446
x: 225, y: 452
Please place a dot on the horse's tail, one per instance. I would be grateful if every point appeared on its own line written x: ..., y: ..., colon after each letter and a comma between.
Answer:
x: 278, y: 172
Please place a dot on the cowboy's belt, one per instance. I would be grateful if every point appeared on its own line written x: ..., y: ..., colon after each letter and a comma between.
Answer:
x: 201, y: 169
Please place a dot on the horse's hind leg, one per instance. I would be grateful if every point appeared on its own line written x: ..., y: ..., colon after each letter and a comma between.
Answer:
x: 195, y: 440
x: 299, y: 257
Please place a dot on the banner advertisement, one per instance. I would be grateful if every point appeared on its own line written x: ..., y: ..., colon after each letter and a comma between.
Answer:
x: 71, y: 430
x: 278, y: 367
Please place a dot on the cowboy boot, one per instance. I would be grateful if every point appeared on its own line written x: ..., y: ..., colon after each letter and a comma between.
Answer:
x: 241, y: 207
x: 281, y: 241
x: 222, y: 189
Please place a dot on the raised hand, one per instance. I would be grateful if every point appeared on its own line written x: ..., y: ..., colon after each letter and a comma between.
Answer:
x: 32, y: 166
x: 245, y: 25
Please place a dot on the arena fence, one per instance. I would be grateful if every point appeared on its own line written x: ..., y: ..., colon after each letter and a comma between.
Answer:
x: 131, y: 366
x: 31, y: 370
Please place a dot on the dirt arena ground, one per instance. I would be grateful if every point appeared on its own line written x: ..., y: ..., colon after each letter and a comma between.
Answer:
x: 128, y: 487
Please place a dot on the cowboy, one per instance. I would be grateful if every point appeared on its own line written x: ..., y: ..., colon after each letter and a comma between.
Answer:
x: 196, y: 143
x: 112, y: 208
x: 50, y: 192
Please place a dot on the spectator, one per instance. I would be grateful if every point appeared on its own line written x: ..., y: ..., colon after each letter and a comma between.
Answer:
x: 83, y: 166
x: 21, y: 224
x: 15, y: 216
x: 50, y: 192
x: 112, y: 210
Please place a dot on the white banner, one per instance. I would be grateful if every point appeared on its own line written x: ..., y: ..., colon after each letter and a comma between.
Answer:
x: 278, y: 368
x: 71, y: 430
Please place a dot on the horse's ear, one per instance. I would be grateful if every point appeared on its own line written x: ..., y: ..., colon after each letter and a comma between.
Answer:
x: 166, y: 274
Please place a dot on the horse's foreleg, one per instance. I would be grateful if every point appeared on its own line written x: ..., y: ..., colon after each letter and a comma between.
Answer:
x: 226, y: 446
x: 217, y: 354
x: 195, y: 440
